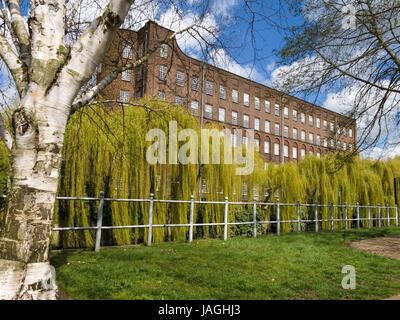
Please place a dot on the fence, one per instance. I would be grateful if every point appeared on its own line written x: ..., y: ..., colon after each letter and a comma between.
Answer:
x: 381, y: 219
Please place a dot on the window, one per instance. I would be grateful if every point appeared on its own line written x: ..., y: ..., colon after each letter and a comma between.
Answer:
x: 303, y: 153
x: 286, y: 112
x: 344, y: 132
x: 245, y: 140
x: 277, y: 110
x: 127, y: 53
x: 221, y: 114
x: 194, y: 106
x: 222, y: 92
x: 294, y: 133
x: 164, y: 51
x: 294, y: 115
x: 162, y: 72
x: 246, y: 99
x: 303, y: 135
x: 208, y: 111
x: 338, y: 145
x: 234, y: 117
x: 351, y: 133
x: 318, y: 123
x: 161, y: 95
x: 318, y: 154
x: 257, y: 103
x: 311, y: 120
x: 351, y: 147
x: 344, y: 146
x: 180, y: 78
x: 266, y: 147
x: 311, y: 138
x: 303, y: 117
x: 234, y: 139
x: 141, y: 50
x: 267, y: 126
x: 235, y: 96
x: 286, y: 151
x: 294, y: 152
x: 209, y: 88
x: 257, y: 144
x: 277, y: 129
x: 332, y: 143
x: 276, y: 149
x: 256, y: 124
x: 326, y: 142
x: 286, y: 131
x: 179, y: 100
x: 195, y: 83
x: 124, y: 96
x: 332, y: 127
x: 267, y: 106
x: 126, y: 75
x: 325, y: 125
x: 245, y: 121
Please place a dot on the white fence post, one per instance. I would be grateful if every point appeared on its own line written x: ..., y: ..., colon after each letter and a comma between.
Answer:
x: 298, y: 216
x: 278, y: 218
x: 99, y: 222
x: 369, y: 216
x: 254, y: 218
x: 358, y: 215
x: 226, y: 219
x: 316, y: 216
x: 150, y: 232
x: 346, y: 216
x: 397, y: 215
x: 379, y: 215
x: 332, y: 222
x: 191, y: 218
x: 388, y: 215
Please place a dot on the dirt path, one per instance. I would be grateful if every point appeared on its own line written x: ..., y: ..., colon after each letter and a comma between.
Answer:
x: 386, y: 247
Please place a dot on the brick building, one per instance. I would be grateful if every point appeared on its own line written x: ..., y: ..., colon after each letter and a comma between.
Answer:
x: 286, y: 128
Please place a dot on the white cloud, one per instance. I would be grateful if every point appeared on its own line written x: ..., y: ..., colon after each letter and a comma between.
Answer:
x: 381, y: 152
x: 176, y: 20
x: 222, y: 60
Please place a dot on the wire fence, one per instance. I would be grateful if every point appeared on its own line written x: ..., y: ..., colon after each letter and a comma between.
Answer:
x: 383, y: 218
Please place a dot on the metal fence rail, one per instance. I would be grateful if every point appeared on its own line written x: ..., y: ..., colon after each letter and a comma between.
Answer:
x: 101, y: 199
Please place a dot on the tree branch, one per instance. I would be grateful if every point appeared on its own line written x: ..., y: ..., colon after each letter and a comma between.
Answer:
x: 14, y: 65
x: 20, y: 30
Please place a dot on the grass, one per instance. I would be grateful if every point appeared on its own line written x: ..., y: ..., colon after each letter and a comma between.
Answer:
x: 291, y: 266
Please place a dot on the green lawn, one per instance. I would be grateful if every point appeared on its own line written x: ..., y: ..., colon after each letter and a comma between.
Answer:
x: 291, y: 266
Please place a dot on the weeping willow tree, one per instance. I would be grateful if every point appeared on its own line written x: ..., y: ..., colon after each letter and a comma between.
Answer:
x: 105, y: 150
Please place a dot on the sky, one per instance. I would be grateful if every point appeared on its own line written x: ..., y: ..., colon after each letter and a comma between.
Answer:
x: 248, y: 52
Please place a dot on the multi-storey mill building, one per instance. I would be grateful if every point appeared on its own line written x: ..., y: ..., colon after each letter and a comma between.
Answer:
x: 286, y: 128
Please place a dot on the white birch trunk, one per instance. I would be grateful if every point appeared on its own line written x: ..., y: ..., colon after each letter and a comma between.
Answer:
x: 56, y: 74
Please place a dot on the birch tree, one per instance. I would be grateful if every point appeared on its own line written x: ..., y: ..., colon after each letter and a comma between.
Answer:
x: 50, y: 56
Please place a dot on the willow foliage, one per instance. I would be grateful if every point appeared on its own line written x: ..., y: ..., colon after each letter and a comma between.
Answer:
x: 105, y: 149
